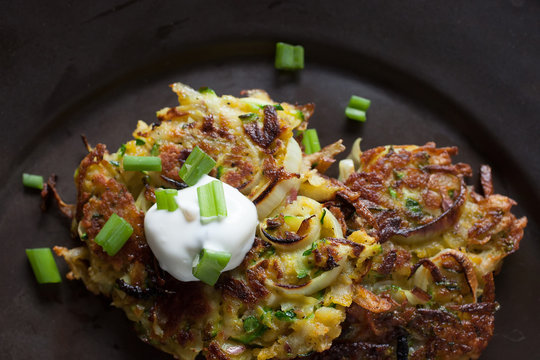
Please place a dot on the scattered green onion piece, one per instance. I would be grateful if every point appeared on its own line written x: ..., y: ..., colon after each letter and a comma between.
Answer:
x: 288, y: 315
x: 197, y: 164
x: 300, y: 115
x: 155, y: 150
x: 249, y: 117
x: 122, y: 149
x: 360, y: 103
x: 114, y: 162
x: 311, y: 141
x: 392, y: 192
x: 302, y: 273
x: 43, y: 265
x: 355, y: 114
x: 32, y: 181
x: 289, y: 57
x: 219, y: 172
x: 210, y: 264
x: 251, y: 323
x: 323, y: 215
x: 211, y: 199
x: 142, y: 163
x: 114, y: 234
x: 413, y: 205
x: 165, y: 199
x: 139, y: 142
x: 206, y: 90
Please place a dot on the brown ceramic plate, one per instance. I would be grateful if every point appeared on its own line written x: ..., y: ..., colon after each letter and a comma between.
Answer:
x: 459, y: 74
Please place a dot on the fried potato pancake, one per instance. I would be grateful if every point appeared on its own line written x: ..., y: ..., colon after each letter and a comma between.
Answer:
x: 395, y: 261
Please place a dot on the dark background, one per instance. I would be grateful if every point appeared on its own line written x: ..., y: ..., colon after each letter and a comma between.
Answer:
x: 459, y: 73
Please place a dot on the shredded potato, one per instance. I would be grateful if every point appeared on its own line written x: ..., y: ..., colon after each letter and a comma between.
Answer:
x: 385, y: 257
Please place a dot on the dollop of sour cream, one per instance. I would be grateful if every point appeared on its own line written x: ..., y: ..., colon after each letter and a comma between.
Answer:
x: 177, y: 237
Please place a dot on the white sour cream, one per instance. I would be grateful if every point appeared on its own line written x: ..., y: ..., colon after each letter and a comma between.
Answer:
x: 177, y: 237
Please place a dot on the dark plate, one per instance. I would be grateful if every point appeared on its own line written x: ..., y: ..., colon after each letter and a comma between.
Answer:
x: 456, y: 73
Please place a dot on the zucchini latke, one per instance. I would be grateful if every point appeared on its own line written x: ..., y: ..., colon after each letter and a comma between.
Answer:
x: 393, y: 260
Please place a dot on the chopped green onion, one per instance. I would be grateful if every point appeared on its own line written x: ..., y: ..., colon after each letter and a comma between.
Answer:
x: 249, y: 117
x: 165, y: 199
x: 207, y: 90
x: 253, y: 329
x: 323, y: 215
x: 251, y: 323
x: 300, y: 115
x: 197, y: 164
x: 360, y: 103
x: 413, y: 205
x: 155, y: 150
x: 392, y: 192
x: 210, y: 264
x: 43, y: 265
x: 310, y: 250
x: 142, y: 163
x: 311, y: 141
x: 211, y: 201
x: 288, y: 315
x: 114, y: 234
x: 278, y: 107
x: 32, y: 181
x: 289, y: 57
x: 399, y: 175
x: 451, y: 193
x: 122, y: 149
x: 219, y: 172
x: 114, y: 162
x: 302, y: 273
x: 356, y: 110
x: 139, y: 142
x: 355, y: 114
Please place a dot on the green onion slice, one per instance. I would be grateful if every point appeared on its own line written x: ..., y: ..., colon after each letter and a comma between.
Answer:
x: 165, y: 199
x: 155, y: 150
x: 139, y: 142
x: 209, y: 265
x: 360, y: 103
x: 32, y: 181
x: 289, y: 57
x: 142, y: 163
x: 311, y: 141
x: 356, y: 110
x: 211, y: 201
x: 114, y: 234
x: 43, y: 265
x: 206, y: 90
x: 355, y: 114
x: 197, y: 164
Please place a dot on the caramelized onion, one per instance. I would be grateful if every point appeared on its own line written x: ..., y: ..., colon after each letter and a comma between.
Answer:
x: 369, y: 301
x: 466, y: 265
x: 435, y: 227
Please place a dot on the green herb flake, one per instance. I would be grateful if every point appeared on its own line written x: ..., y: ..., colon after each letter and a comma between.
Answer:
x: 302, y: 273
x: 399, y: 175
x: 300, y: 115
x: 413, y: 205
x: 114, y: 162
x: 249, y: 117
x: 155, y: 150
x: 122, y: 150
x: 219, y: 172
x: 139, y: 142
x: 451, y: 193
x: 392, y: 193
x: 310, y: 250
x: 323, y: 215
x: 288, y: 315
x: 206, y: 90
